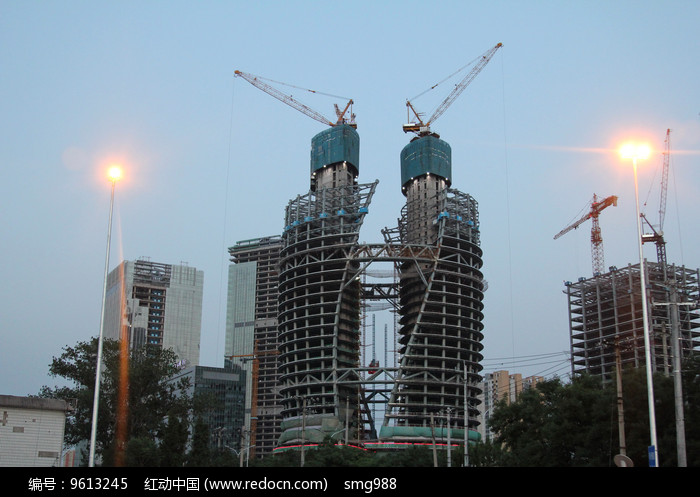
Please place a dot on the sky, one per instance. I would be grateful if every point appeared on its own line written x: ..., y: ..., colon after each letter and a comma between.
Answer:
x: 210, y: 160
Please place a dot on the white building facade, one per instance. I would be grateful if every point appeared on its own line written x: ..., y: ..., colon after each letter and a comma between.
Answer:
x: 31, y: 431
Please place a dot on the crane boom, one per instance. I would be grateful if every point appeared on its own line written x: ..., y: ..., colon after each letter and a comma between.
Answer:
x: 596, y: 209
x: 289, y: 100
x: 596, y: 236
x: 456, y: 92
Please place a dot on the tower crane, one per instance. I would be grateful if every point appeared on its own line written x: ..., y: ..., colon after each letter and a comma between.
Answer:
x: 423, y: 128
x: 596, y: 235
x: 657, y: 236
x: 255, y: 357
x: 258, y: 82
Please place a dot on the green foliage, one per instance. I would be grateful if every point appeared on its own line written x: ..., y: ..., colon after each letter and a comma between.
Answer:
x: 485, y: 454
x: 416, y: 456
x: 142, y: 452
x: 330, y: 455
x: 556, y: 425
x: 173, y: 446
x: 552, y: 425
x: 691, y: 391
x: 200, y: 454
x: 576, y: 424
x: 151, y: 398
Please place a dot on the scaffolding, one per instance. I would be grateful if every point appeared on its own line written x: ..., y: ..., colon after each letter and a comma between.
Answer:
x: 319, y: 311
x: 438, y: 289
x: 441, y: 317
x: 607, y: 309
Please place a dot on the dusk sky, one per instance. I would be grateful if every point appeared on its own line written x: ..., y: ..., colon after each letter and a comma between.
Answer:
x: 210, y: 160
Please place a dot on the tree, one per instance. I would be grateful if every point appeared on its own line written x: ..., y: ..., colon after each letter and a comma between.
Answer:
x: 141, y: 451
x: 691, y: 391
x: 200, y: 454
x: 150, y: 397
x: 576, y: 424
x: 557, y: 425
x: 174, y: 443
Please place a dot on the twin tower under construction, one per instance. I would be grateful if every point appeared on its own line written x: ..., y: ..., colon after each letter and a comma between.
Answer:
x: 310, y: 383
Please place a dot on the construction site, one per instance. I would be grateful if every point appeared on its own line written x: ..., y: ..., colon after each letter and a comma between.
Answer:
x: 607, y: 312
x: 605, y: 316
x: 313, y: 376
x: 325, y: 382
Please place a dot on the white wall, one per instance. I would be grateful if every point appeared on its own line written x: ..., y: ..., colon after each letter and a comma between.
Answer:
x: 31, y: 437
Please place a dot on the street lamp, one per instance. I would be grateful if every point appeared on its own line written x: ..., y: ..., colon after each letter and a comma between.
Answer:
x: 637, y: 152
x: 114, y: 174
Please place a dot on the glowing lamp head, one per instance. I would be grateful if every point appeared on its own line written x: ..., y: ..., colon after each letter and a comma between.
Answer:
x: 635, y: 151
x: 114, y: 173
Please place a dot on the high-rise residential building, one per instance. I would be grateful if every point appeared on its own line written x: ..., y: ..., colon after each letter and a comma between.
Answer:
x: 156, y: 304
x: 605, y: 318
x: 251, y: 334
x: 501, y: 386
x: 223, y: 391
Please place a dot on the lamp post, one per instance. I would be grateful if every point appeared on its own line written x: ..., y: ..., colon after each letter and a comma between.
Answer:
x: 114, y: 174
x: 637, y: 152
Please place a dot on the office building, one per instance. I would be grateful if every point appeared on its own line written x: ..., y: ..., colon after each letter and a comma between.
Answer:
x: 251, y: 334
x: 222, y: 390
x: 436, y: 251
x: 156, y: 304
x: 319, y: 295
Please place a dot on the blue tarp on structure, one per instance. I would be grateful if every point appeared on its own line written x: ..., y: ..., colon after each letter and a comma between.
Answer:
x: 336, y: 144
x: 427, y: 154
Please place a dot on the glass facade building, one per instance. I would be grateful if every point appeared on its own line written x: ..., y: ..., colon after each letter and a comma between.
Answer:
x: 156, y: 304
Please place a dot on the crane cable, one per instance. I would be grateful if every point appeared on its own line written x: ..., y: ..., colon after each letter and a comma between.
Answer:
x: 303, y: 89
x: 445, y: 79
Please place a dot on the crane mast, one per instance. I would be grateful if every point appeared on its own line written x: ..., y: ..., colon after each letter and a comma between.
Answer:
x: 424, y: 128
x: 657, y: 236
x: 596, y: 234
x: 295, y: 104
